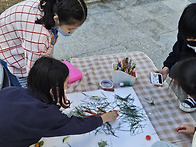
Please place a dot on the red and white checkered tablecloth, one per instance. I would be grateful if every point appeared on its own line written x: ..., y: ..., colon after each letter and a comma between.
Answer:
x: 165, y: 116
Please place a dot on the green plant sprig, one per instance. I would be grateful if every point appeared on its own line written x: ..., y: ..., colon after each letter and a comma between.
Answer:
x: 102, y: 143
x: 128, y: 113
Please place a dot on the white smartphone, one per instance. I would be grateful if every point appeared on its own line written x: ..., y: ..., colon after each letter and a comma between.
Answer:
x: 156, y: 78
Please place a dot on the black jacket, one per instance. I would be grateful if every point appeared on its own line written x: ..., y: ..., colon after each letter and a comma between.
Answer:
x: 180, y: 50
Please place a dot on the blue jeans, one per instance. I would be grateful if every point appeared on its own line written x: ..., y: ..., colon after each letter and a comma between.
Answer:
x: 13, y: 79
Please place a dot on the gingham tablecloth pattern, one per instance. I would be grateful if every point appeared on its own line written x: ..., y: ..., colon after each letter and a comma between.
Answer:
x: 165, y: 116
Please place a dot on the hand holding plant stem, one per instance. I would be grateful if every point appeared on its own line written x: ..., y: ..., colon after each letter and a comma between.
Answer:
x: 110, y: 116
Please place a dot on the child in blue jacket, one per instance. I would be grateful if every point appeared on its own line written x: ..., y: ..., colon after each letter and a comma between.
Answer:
x: 28, y: 114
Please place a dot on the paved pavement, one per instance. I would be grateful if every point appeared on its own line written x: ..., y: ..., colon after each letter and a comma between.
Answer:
x: 117, y: 26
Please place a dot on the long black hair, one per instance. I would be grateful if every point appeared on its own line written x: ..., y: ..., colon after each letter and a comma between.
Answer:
x: 183, y: 72
x: 187, y: 22
x: 46, y: 74
x: 69, y: 12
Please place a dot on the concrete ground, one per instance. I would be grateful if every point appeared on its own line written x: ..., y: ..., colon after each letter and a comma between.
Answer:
x: 117, y: 26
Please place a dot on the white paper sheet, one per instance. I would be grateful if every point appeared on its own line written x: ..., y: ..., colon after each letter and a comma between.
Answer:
x: 124, y: 139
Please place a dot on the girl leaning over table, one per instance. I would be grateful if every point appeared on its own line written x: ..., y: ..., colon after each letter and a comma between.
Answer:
x: 183, y: 74
x: 30, y: 29
x: 27, y: 114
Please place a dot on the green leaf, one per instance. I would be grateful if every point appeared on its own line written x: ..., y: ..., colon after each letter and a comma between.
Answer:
x: 41, y: 143
x: 65, y: 138
x: 102, y: 143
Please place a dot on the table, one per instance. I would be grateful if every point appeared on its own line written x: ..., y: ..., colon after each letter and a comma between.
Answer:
x: 165, y: 116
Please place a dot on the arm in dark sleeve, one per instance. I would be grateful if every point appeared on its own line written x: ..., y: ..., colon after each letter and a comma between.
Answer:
x: 63, y: 125
x: 173, y: 56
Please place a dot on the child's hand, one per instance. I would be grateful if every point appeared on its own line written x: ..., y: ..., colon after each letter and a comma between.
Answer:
x: 163, y: 71
x: 109, y: 116
x: 186, y: 129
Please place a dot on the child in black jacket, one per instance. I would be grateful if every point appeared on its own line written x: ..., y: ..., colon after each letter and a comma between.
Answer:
x: 184, y: 47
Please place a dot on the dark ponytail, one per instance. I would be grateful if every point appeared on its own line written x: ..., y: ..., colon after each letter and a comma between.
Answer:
x: 69, y: 12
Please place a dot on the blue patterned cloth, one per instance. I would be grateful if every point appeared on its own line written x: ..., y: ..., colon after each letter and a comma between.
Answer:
x: 12, y: 78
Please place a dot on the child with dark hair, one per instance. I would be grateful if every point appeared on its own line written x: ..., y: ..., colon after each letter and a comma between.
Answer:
x: 30, y: 29
x: 186, y: 43
x: 183, y: 74
x: 27, y: 114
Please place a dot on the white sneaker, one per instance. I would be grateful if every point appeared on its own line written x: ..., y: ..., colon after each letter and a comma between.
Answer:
x: 188, y: 105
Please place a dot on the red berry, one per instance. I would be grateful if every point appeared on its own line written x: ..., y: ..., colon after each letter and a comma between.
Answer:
x: 148, y: 137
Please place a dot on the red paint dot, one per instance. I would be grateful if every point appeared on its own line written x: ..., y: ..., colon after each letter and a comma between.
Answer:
x: 148, y: 137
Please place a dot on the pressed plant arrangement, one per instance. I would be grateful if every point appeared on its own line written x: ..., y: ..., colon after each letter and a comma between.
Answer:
x: 130, y: 115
